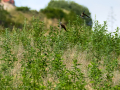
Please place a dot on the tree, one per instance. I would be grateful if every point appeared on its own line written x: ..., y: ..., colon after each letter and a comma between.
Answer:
x: 23, y: 9
x: 71, y: 6
x: 53, y: 13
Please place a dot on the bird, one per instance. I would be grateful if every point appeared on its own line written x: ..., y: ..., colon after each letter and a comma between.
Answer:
x: 63, y: 26
x: 83, y: 14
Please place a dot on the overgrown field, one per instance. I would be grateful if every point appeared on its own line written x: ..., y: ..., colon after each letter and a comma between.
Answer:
x: 36, y: 58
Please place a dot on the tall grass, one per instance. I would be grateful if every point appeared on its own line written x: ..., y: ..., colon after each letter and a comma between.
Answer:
x: 30, y: 59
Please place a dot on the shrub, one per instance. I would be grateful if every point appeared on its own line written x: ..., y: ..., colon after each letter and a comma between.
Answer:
x: 71, y: 6
x: 53, y: 13
x: 6, y: 21
x: 23, y: 9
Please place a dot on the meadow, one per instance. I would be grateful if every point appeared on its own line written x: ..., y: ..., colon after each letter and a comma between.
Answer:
x: 37, y: 58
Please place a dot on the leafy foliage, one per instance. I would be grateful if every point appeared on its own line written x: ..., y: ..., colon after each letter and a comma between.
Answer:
x: 71, y: 6
x: 54, y: 13
x: 30, y: 59
x: 23, y: 9
x: 68, y: 5
x: 5, y: 21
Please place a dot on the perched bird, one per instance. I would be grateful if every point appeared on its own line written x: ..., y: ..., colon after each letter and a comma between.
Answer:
x: 83, y: 14
x: 63, y: 26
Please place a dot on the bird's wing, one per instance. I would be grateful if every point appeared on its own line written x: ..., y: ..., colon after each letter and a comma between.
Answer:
x: 63, y: 26
x: 87, y: 15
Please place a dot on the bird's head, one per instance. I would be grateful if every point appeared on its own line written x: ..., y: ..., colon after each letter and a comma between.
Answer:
x: 60, y: 23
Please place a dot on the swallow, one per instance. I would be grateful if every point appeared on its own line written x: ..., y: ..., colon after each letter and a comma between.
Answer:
x: 63, y: 26
x: 83, y: 14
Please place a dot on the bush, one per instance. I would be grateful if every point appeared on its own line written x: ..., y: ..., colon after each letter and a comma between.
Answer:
x: 6, y: 21
x: 53, y: 13
x: 71, y: 6
x: 23, y: 9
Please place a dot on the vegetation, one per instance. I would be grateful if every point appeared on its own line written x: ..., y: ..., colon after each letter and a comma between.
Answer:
x: 79, y: 59
x: 53, y: 13
x: 35, y: 57
x: 59, y: 14
x: 68, y: 5
x: 71, y: 6
x: 23, y: 9
x: 15, y: 18
x: 5, y: 19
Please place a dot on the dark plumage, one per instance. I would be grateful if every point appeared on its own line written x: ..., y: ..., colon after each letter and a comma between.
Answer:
x: 83, y: 14
x: 63, y: 26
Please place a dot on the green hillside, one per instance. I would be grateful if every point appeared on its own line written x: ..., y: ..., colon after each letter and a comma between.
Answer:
x: 16, y: 18
x: 34, y: 57
x: 79, y: 59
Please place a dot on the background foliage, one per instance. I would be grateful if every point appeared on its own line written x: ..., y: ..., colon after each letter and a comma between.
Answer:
x: 23, y: 9
x: 71, y: 6
x: 5, y: 19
